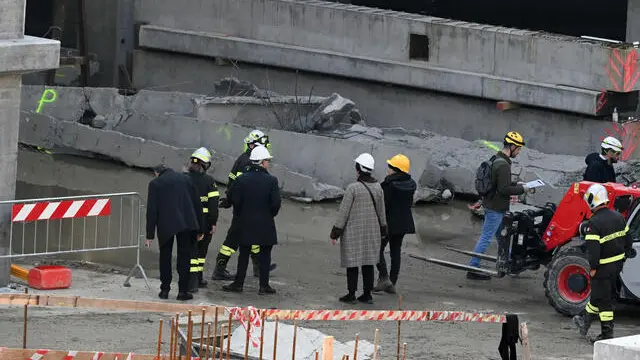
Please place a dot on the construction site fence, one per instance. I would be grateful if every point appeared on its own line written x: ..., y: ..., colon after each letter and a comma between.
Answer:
x: 193, y: 343
x: 76, y: 225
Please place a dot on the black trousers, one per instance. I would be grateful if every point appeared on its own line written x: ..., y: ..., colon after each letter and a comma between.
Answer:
x: 243, y: 263
x: 395, y: 246
x: 603, y: 287
x: 185, y: 243
x: 367, y: 279
x: 230, y: 244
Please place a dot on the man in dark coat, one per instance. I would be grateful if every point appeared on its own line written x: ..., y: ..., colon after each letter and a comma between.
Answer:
x: 398, y: 189
x: 174, y: 208
x: 230, y: 245
x: 256, y: 201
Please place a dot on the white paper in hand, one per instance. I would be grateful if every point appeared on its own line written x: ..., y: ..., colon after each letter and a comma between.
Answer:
x: 534, y: 184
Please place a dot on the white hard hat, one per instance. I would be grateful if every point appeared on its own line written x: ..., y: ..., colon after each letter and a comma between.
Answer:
x: 259, y: 153
x: 596, y: 195
x: 202, y: 154
x: 253, y: 136
x: 366, y: 161
x: 611, y: 143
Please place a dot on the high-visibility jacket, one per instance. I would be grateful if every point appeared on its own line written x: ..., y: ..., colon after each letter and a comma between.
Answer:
x: 207, y: 190
x: 607, y: 239
x: 238, y: 168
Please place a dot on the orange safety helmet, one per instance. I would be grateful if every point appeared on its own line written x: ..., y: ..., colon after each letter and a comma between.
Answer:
x: 400, y: 162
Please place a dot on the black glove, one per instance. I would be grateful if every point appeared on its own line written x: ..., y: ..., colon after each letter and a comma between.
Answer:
x: 224, y: 203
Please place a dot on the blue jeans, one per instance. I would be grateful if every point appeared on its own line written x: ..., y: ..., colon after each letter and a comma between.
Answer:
x: 490, y: 227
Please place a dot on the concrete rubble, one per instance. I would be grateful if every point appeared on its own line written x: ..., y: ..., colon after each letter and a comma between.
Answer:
x: 312, y: 163
x: 308, y: 341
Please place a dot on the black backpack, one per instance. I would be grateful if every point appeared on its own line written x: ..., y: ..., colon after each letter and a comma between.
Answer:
x: 485, y: 184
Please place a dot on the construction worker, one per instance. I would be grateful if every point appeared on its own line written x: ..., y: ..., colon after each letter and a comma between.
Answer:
x: 607, y: 242
x: 496, y: 203
x: 600, y: 166
x: 256, y: 202
x: 230, y: 245
x: 206, y: 188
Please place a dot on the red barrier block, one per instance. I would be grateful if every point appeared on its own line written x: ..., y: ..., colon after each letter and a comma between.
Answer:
x: 50, y: 277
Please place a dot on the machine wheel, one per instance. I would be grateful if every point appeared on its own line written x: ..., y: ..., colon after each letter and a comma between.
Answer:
x: 566, y: 281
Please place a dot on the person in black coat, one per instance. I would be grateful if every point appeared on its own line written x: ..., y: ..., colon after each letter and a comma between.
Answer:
x: 398, y: 189
x: 173, y: 207
x: 600, y: 166
x: 256, y: 201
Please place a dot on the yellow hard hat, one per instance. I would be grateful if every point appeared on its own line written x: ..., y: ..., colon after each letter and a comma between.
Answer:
x: 514, y: 138
x: 202, y: 154
x: 400, y: 162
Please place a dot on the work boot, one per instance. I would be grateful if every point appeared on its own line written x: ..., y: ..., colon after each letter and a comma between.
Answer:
x: 220, y: 272
x: 164, y: 294
x: 365, y: 298
x: 606, y: 328
x: 583, y: 321
x: 350, y: 298
x: 233, y: 287
x: 184, y: 296
x: 193, y: 283
x: 475, y: 276
x: 255, y: 259
x: 202, y: 283
x: 267, y: 290
x: 384, y: 284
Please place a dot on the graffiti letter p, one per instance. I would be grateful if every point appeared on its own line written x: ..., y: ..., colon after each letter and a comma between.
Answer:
x: 48, y: 96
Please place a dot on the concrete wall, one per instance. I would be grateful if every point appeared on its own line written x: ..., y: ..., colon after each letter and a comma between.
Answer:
x: 385, y: 35
x: 384, y: 105
x: 18, y: 54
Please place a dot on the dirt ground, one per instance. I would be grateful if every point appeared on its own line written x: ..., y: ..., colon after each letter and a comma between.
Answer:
x: 308, y: 276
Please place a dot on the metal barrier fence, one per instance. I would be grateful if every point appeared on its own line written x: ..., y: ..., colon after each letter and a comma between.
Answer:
x: 77, y: 224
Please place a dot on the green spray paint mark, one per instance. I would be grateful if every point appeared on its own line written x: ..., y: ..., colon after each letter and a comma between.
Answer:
x: 490, y: 145
x: 48, y: 96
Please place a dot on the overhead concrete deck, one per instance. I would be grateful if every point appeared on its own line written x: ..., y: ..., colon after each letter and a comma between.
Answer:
x: 527, y: 67
x: 408, y: 74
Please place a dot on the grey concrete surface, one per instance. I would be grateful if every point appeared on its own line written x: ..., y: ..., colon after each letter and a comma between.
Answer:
x: 69, y: 103
x: 45, y: 131
x: 622, y: 348
x: 384, y: 105
x: 633, y: 21
x: 426, y: 76
x: 385, y: 35
x: 308, y: 277
x: 18, y: 54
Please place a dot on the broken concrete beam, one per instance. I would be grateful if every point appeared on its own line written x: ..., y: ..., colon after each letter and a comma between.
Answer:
x: 291, y: 113
x: 70, y: 103
x: 45, y: 131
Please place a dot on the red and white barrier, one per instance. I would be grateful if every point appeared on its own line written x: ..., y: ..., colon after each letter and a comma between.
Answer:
x: 39, y: 354
x: 383, y: 315
x: 60, y: 210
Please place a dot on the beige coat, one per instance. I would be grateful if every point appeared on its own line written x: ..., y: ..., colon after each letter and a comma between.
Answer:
x: 361, y: 235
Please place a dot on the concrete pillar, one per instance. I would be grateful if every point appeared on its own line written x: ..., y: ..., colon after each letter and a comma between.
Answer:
x: 18, y: 54
x: 633, y: 20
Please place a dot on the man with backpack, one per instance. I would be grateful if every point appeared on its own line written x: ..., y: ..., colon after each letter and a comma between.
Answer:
x: 494, y: 185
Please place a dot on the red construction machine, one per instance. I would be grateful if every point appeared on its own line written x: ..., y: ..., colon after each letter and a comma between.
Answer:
x: 549, y: 236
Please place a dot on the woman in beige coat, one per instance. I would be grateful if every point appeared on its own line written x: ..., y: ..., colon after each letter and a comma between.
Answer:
x: 360, y: 225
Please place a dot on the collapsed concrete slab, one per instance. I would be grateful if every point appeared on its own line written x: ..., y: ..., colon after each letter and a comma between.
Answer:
x: 308, y: 342
x: 48, y: 132
x: 72, y: 103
